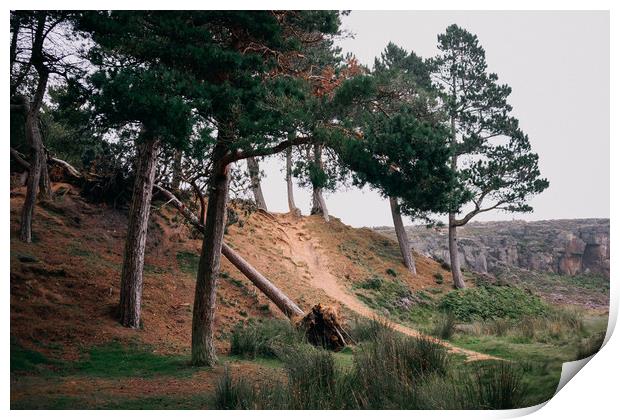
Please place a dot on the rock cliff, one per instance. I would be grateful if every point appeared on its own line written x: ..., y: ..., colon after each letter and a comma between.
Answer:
x: 573, y: 246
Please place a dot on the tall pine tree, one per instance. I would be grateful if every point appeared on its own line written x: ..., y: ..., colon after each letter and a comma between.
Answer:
x: 490, y: 153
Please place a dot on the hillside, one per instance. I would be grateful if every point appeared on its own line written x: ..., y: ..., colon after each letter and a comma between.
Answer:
x: 64, y: 286
x: 569, y: 247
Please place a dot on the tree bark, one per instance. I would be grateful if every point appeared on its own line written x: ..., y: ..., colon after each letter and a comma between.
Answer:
x: 257, y: 190
x: 401, y: 235
x: 176, y: 170
x: 318, y: 201
x: 455, y: 262
x: 135, y: 242
x: 203, y: 349
x: 45, y: 192
x: 37, y: 157
x: 33, y: 137
x: 289, y: 183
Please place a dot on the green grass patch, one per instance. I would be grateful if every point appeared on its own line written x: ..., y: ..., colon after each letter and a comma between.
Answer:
x: 26, y: 360
x: 115, y: 360
x: 188, y: 262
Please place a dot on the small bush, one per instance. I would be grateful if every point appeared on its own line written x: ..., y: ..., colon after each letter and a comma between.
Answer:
x: 263, y: 339
x: 438, y: 278
x: 445, y: 326
x: 490, y: 302
x: 390, y: 272
x: 373, y: 283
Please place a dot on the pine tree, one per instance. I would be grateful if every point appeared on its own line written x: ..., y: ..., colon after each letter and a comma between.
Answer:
x: 401, y: 147
x: 490, y: 153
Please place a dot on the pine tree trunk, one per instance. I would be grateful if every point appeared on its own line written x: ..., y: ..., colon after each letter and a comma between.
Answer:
x: 289, y: 183
x: 257, y: 190
x: 33, y: 136
x: 318, y: 202
x: 203, y: 348
x: 135, y: 242
x: 45, y: 192
x: 401, y: 235
x: 176, y: 170
x: 37, y: 157
x: 455, y: 262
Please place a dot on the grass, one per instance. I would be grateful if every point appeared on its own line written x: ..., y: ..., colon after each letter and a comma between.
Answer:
x: 233, y: 394
x: 26, y: 360
x: 394, y: 298
x: 386, y: 371
x: 263, y: 338
x: 590, y: 345
x: 188, y: 262
x: 115, y: 360
x: 445, y: 326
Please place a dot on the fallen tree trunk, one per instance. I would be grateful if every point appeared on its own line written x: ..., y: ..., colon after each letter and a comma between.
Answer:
x: 286, y: 305
x: 321, y: 325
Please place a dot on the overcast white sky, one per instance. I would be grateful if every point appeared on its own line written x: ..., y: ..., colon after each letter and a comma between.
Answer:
x: 557, y: 64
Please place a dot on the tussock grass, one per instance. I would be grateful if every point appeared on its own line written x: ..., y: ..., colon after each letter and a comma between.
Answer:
x: 263, y: 339
x: 233, y: 394
x: 445, y: 325
x: 363, y: 329
x: 589, y: 346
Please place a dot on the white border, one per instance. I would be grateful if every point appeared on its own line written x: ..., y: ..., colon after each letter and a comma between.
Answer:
x: 592, y: 395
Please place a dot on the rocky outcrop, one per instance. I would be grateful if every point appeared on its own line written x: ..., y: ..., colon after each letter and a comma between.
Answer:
x: 573, y: 246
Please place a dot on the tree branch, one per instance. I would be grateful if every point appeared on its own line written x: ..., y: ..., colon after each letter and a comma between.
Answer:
x: 244, y: 154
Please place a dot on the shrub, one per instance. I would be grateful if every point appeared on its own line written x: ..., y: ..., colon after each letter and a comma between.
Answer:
x: 263, y: 338
x: 488, y: 302
x: 372, y: 283
x: 438, y: 278
x: 445, y: 326
x: 390, y: 272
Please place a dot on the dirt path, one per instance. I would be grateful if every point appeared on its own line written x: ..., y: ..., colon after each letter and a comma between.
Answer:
x: 307, y: 252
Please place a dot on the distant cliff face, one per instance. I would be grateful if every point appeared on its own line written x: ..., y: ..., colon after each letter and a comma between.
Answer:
x: 573, y: 246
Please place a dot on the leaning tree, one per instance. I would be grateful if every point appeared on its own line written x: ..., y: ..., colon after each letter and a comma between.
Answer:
x: 37, y: 55
x: 490, y: 153
x: 407, y: 77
